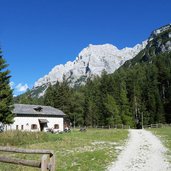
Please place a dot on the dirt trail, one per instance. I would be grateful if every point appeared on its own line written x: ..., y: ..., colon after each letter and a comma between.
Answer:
x: 143, y: 152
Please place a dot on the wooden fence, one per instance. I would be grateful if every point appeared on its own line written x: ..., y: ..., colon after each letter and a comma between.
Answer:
x: 159, y: 125
x: 120, y: 126
x: 47, y: 162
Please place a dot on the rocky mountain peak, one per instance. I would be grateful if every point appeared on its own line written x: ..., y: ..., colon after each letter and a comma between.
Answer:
x: 160, y: 30
x: 91, y: 61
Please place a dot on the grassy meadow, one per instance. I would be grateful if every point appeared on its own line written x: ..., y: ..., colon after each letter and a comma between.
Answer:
x: 165, y: 135
x: 92, y: 150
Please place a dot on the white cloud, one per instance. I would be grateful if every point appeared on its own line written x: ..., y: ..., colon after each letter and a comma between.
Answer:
x: 21, y: 88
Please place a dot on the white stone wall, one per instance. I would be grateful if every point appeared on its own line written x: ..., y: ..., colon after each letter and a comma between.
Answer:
x: 28, y: 121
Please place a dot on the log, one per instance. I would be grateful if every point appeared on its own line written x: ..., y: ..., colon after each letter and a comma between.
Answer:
x: 47, y: 163
x: 31, y: 163
x: 27, y: 151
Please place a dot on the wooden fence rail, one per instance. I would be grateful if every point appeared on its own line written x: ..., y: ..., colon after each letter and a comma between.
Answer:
x: 159, y: 125
x: 47, y: 162
x: 120, y: 126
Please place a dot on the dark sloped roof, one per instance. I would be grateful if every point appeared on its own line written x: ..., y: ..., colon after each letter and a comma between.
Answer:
x: 32, y: 109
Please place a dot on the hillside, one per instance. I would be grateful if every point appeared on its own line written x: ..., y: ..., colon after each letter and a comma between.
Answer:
x: 158, y: 42
x: 148, y: 79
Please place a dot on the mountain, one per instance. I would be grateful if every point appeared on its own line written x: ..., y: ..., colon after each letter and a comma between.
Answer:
x: 147, y: 79
x: 158, y: 42
x: 90, y: 62
x: 138, y: 92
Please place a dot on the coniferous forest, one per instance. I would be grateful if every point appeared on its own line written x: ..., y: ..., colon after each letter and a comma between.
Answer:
x: 141, y: 88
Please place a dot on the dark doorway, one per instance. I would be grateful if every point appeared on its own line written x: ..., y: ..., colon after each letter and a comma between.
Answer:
x: 43, y: 124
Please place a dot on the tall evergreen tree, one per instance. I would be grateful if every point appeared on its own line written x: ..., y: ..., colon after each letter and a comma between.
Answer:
x: 76, y: 108
x: 113, y: 117
x: 125, y: 113
x: 49, y: 96
x: 6, y: 96
x: 59, y: 96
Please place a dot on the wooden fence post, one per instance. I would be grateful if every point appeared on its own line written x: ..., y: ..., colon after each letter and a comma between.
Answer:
x: 52, y: 162
x: 47, y: 162
x: 44, y: 163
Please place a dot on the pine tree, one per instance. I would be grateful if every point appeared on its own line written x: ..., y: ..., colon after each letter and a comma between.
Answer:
x: 59, y: 96
x: 6, y: 96
x: 49, y: 97
x: 62, y: 98
x: 125, y: 113
x: 76, y: 109
x: 113, y: 111
x: 87, y: 111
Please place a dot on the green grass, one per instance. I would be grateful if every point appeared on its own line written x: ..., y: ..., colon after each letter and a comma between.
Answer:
x: 93, y: 150
x: 165, y: 135
x: 18, y: 138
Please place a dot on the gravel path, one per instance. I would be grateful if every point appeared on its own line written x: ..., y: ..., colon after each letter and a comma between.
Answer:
x: 143, y: 152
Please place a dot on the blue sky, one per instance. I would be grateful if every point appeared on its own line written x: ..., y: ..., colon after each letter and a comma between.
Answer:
x: 36, y: 35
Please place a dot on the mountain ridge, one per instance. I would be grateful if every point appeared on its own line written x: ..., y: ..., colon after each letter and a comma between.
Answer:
x: 90, y: 62
x: 158, y: 42
x: 93, y: 59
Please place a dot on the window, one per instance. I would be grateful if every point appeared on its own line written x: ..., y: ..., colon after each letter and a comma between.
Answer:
x: 33, y: 126
x: 56, y: 126
x: 16, y: 127
x: 22, y: 127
